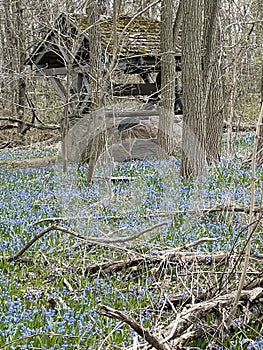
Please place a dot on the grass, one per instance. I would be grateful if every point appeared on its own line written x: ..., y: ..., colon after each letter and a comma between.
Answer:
x: 50, y: 302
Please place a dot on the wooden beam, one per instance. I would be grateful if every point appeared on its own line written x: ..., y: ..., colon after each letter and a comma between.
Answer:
x: 134, y: 89
x: 143, y: 114
x: 140, y: 64
x: 50, y: 71
x: 58, y: 86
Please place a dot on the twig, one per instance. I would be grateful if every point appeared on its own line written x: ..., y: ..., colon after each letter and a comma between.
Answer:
x: 199, y: 241
x: 251, y: 219
x: 255, y: 224
x: 144, y: 333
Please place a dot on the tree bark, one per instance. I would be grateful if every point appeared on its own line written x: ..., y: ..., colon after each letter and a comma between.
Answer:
x: 96, y: 86
x: 193, y: 162
x: 165, y: 132
x: 20, y: 64
x: 177, y: 23
x: 212, y: 79
x: 260, y: 33
x: 95, y: 55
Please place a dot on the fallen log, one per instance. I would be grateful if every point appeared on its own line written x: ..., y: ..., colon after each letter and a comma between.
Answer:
x: 198, y: 311
x: 188, y: 324
x: 29, y: 162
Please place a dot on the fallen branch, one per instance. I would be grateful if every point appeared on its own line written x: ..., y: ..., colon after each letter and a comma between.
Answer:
x: 29, y: 244
x: 198, y: 311
x: 180, y: 300
x: 113, y: 179
x: 31, y: 125
x: 240, y: 127
x: 167, y: 255
x: 219, y: 208
x: 94, y: 240
x: 192, y: 244
x: 214, y: 209
x: 176, y: 255
x: 187, y: 324
x: 144, y: 333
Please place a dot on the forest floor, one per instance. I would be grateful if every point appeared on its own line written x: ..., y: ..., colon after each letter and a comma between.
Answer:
x: 140, y: 256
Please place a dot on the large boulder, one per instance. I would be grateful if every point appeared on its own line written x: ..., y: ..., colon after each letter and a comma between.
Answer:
x: 127, y: 138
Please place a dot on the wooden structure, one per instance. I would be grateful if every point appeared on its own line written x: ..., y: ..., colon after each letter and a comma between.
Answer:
x: 138, y: 54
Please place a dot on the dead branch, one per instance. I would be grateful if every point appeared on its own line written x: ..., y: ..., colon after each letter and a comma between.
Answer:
x: 180, y: 300
x: 93, y: 240
x: 31, y: 125
x: 114, y: 178
x: 187, y: 323
x: 29, y: 244
x: 176, y: 255
x: 144, y: 333
x: 214, y: 209
x: 192, y: 244
x: 198, y: 311
x: 114, y: 266
x: 219, y: 208
x: 251, y: 227
x: 240, y: 127
x: 189, y: 334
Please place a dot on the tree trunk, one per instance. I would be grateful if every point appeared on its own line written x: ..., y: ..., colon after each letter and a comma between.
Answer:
x: 20, y: 65
x: 260, y: 33
x: 165, y: 132
x: 13, y: 58
x: 95, y: 57
x: 177, y: 23
x: 212, y: 80
x: 96, y: 86
x: 193, y: 161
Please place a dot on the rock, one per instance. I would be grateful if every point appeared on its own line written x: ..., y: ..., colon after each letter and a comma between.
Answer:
x: 136, y: 149
x: 140, y: 131
x: 128, y: 138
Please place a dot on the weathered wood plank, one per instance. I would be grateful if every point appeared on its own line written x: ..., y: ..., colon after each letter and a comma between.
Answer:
x: 134, y: 89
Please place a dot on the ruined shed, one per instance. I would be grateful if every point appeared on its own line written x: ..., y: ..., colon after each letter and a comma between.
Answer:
x: 67, y: 43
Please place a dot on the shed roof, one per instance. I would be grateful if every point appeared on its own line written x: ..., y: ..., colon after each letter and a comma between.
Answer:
x: 136, y: 36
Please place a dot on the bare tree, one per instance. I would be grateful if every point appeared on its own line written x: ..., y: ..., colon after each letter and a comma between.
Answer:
x: 96, y: 85
x: 13, y: 55
x: 212, y: 79
x: 259, y: 35
x: 23, y: 24
x: 21, y: 63
x: 193, y: 161
x: 165, y: 133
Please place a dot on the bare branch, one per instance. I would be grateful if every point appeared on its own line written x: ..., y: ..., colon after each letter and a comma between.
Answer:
x: 79, y: 236
x: 144, y: 333
x: 31, y: 125
x: 198, y: 311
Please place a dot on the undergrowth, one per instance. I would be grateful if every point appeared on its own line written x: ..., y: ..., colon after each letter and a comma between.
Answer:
x: 51, y: 300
